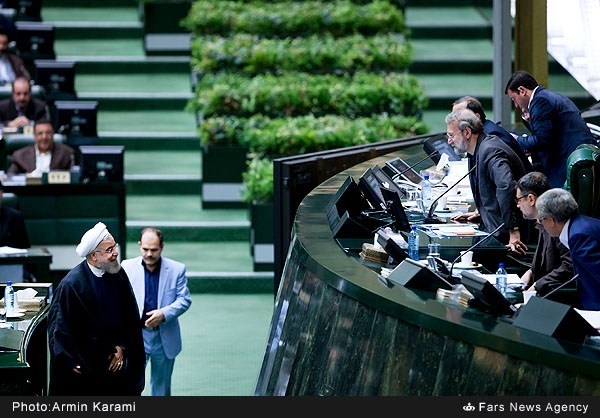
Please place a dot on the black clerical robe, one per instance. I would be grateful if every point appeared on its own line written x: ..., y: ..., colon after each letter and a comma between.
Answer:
x: 88, y: 317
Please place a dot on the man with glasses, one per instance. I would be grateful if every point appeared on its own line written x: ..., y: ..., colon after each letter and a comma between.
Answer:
x: 94, y: 332
x: 558, y: 213
x: 497, y: 168
x: 551, y: 265
x: 491, y: 128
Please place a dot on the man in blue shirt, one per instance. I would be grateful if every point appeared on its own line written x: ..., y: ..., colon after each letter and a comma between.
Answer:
x: 160, y: 287
x: 557, y: 212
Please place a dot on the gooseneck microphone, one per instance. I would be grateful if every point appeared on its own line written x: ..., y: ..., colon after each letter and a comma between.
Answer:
x: 571, y: 280
x: 475, y: 245
x: 410, y: 167
x: 430, y: 218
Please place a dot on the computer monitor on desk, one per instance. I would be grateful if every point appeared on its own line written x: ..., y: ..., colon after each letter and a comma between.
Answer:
x: 440, y: 144
x: 371, y: 182
x: 77, y: 120
x: 56, y: 78
x: 35, y: 40
x: 101, y: 163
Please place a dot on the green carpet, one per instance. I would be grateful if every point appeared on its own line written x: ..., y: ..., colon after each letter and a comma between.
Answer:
x: 224, y: 341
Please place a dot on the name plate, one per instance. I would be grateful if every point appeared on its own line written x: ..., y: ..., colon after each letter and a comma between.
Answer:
x: 59, y: 177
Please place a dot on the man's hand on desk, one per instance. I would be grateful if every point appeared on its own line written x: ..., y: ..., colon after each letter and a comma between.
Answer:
x: 517, y: 246
x: 466, y: 217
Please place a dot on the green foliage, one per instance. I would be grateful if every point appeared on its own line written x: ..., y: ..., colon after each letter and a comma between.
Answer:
x: 282, y: 77
x: 293, y: 18
x: 299, y: 94
x: 258, y: 180
x: 317, y: 54
x: 290, y: 136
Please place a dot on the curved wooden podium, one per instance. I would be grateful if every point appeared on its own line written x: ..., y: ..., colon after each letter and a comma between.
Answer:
x: 338, y: 330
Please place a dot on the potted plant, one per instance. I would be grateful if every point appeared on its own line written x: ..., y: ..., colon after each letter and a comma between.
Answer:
x: 258, y: 194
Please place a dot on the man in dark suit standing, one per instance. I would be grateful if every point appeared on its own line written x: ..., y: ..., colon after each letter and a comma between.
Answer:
x: 558, y: 213
x: 21, y: 109
x: 13, y: 232
x: 493, y: 180
x: 44, y: 155
x: 556, y: 125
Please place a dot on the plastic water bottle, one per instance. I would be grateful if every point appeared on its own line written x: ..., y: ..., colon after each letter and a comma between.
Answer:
x: 426, y: 192
x: 413, y: 243
x: 501, y: 277
x: 9, y: 298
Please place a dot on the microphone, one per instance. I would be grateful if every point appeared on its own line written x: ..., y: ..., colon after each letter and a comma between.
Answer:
x: 430, y: 218
x: 475, y: 245
x: 410, y: 167
x: 561, y: 286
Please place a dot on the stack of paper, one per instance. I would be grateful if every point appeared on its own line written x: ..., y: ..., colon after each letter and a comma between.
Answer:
x: 10, y: 250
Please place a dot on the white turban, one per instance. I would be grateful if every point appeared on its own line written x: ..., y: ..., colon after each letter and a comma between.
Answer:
x: 91, y: 239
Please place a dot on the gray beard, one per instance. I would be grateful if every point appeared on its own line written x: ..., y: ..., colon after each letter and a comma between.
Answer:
x: 111, y: 267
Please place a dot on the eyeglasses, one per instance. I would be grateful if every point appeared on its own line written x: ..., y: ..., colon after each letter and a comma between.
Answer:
x: 521, y: 197
x: 542, y: 219
x: 452, y: 136
x: 109, y: 250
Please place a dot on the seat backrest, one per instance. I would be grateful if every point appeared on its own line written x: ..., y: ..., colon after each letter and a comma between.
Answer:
x: 583, y: 178
x: 10, y: 200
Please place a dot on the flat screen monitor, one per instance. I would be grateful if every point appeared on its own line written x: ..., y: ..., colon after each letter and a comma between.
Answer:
x: 56, y: 78
x: 391, y: 247
x: 486, y: 297
x: 35, y: 40
x: 28, y: 10
x: 394, y: 206
x: 371, y: 182
x: 348, y: 198
x: 101, y: 163
x: 76, y: 118
x: 410, y: 273
x: 402, y: 169
x: 440, y: 144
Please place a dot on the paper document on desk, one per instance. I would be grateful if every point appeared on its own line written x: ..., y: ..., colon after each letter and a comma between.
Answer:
x: 593, y: 317
x: 10, y: 250
x: 457, y: 230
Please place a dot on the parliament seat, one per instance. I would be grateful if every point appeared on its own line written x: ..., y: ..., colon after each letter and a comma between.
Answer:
x: 10, y: 200
x: 583, y: 178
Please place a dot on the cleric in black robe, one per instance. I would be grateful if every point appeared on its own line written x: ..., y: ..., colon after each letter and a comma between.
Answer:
x: 94, y: 332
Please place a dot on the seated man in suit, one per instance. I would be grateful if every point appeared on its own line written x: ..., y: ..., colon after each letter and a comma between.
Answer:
x: 21, y: 109
x: 13, y: 232
x: 11, y: 65
x: 44, y: 155
x: 558, y: 213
